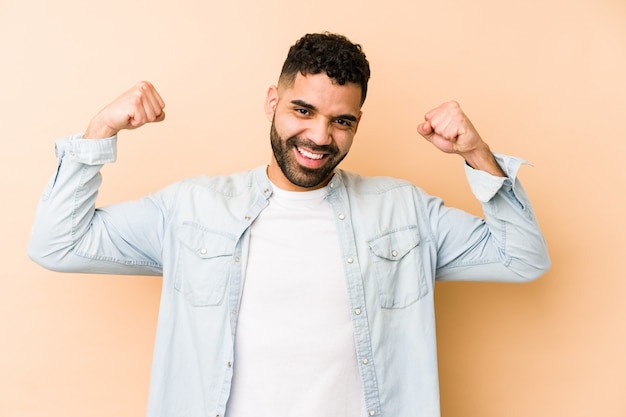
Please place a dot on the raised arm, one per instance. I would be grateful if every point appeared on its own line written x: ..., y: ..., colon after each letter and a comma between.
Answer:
x: 69, y: 233
x: 508, y: 244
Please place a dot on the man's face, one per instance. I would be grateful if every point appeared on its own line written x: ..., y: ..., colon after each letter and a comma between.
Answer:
x: 313, y: 125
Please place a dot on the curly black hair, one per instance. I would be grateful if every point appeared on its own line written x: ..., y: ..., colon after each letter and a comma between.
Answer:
x: 331, y: 53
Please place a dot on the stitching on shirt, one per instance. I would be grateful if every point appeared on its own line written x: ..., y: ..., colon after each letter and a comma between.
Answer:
x: 117, y: 260
x: 203, y: 228
x: 395, y: 230
x: 79, y: 189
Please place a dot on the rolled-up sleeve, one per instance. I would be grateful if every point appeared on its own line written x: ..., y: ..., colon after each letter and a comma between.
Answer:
x: 88, y: 152
x: 69, y: 234
x: 505, y: 245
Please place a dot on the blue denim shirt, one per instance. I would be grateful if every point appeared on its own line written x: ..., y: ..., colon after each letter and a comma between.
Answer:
x: 395, y: 241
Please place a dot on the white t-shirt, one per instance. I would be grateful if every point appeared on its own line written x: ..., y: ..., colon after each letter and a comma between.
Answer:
x: 294, y: 344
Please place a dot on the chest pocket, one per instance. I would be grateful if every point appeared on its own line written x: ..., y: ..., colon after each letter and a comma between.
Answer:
x: 203, y: 264
x: 398, y: 267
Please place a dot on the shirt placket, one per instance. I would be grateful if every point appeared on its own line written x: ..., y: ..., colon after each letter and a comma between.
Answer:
x: 359, y: 317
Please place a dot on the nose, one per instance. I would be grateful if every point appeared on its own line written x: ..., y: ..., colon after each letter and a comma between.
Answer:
x: 319, y: 131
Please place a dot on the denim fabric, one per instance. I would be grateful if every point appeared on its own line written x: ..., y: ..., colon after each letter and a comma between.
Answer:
x: 395, y: 240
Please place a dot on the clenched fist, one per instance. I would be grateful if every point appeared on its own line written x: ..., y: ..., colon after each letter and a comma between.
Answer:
x: 140, y: 105
x: 451, y: 131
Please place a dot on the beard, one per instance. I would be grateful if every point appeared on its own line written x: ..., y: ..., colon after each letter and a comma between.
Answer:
x: 292, y: 170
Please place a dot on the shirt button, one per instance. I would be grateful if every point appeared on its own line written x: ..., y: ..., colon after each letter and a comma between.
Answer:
x: 357, y: 311
x: 365, y: 361
x: 342, y: 216
x: 394, y: 253
x: 237, y: 259
x: 350, y: 260
x: 332, y: 185
x: 230, y: 364
x: 248, y: 218
x: 203, y: 251
x: 372, y: 412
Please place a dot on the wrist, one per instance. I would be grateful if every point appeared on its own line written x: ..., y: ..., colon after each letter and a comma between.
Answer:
x: 98, y: 129
x: 483, y: 160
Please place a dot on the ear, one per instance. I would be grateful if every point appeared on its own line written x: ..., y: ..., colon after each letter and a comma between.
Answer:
x: 358, y: 120
x: 271, y: 101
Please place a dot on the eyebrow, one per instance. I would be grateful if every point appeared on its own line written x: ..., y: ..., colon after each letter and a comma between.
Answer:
x: 309, y: 106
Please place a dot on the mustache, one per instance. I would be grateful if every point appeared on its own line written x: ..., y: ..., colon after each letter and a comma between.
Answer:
x: 305, y: 143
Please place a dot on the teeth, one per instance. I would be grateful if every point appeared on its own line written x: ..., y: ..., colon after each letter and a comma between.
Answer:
x: 310, y: 155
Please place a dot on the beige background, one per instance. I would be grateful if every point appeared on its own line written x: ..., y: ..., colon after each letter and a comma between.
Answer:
x: 540, y: 79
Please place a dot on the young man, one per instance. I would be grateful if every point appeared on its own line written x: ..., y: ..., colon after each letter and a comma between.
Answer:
x: 294, y: 289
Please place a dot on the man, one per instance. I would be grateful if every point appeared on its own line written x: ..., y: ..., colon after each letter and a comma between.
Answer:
x: 294, y: 289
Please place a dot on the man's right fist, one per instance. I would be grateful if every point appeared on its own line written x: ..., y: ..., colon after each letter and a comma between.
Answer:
x: 140, y: 105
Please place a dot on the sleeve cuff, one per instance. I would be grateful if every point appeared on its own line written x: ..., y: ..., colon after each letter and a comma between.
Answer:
x: 484, y: 186
x: 87, y: 151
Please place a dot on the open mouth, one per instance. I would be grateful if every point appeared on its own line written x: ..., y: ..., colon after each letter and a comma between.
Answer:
x: 309, y: 158
x: 311, y: 155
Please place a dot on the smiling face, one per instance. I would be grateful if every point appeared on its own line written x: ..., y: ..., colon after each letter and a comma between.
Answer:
x: 314, y: 121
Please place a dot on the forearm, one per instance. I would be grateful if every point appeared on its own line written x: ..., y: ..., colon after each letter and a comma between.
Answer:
x: 68, y: 233
x: 507, y: 245
x: 513, y: 224
x: 64, y: 212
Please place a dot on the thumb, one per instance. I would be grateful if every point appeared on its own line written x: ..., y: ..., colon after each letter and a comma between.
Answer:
x: 426, y: 130
x: 139, y: 120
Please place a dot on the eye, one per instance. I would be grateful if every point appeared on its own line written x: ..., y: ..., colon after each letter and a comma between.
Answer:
x: 302, y: 111
x: 343, y: 122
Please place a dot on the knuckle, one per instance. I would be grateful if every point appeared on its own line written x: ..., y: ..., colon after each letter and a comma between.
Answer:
x: 136, y: 99
x: 144, y: 85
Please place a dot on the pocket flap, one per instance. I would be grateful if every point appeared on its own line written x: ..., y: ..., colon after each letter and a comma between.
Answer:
x: 395, y: 245
x: 205, y: 243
